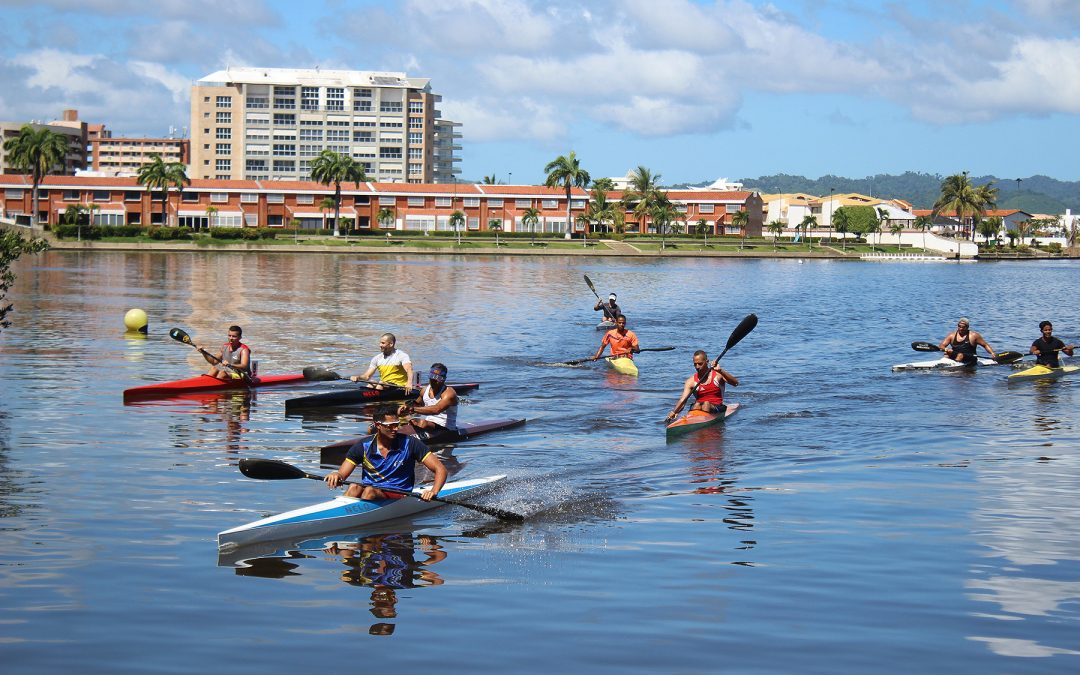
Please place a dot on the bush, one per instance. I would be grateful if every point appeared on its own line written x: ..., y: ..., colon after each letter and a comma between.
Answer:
x: 169, y: 233
x: 1054, y: 247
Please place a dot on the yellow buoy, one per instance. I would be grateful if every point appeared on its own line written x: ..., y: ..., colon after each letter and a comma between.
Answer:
x: 135, y: 319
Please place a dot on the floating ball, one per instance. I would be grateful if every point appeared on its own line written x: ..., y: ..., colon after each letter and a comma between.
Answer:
x: 135, y: 319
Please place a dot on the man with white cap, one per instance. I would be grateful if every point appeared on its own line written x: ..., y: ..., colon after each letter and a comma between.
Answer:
x: 960, y: 344
x: 610, y: 308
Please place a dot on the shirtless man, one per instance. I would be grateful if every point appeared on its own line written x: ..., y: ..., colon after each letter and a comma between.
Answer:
x: 960, y: 344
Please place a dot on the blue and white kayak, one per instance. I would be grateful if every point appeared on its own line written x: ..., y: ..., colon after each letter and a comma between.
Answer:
x: 344, y: 513
x: 943, y: 363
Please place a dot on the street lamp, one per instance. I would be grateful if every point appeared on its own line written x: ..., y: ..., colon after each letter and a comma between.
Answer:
x: 510, y: 178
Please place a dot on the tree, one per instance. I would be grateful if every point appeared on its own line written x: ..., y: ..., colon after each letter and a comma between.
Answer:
x: 643, y: 195
x: 605, y: 184
x: 91, y: 209
x: 883, y: 221
x: 776, y: 228
x: 841, y: 221
x: 663, y: 214
x: 495, y: 225
x: 896, y: 227
x: 959, y: 196
x: 491, y: 180
x: 211, y: 211
x: 73, y: 216
x: 159, y: 174
x: 1022, y: 228
x: 457, y: 220
x: 990, y: 227
x: 325, y: 205
x: 530, y: 217
x: 740, y: 220
x: 702, y: 228
x: 385, y: 217
x: 566, y: 171
x: 808, y: 222
x: 923, y: 223
x: 599, y: 209
x: 39, y: 151
x: 12, y: 245
x: 332, y: 167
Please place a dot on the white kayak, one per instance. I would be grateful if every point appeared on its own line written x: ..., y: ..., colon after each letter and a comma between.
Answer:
x: 343, y: 513
x: 944, y: 363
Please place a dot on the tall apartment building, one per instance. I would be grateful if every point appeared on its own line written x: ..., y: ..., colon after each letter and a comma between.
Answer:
x: 122, y: 156
x: 269, y: 123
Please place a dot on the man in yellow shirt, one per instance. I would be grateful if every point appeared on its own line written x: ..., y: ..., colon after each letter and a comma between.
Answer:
x: 393, y: 365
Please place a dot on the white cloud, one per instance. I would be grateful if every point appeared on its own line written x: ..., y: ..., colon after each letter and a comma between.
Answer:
x: 665, y: 117
x: 250, y: 12
x: 486, y: 119
x: 479, y: 25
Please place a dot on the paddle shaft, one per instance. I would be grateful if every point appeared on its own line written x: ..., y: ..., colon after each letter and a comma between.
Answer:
x: 181, y: 336
x: 613, y: 356
x: 1000, y: 357
x: 748, y: 324
x: 271, y: 469
x: 607, y: 311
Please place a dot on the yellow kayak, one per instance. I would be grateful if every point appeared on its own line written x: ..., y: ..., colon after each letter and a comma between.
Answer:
x: 1040, y: 372
x: 624, y: 365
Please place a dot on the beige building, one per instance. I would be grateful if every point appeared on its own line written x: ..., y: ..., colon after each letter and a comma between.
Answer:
x: 112, y: 156
x: 270, y: 123
x: 70, y: 125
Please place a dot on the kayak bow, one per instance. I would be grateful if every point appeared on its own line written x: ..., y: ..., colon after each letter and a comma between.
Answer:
x: 1041, y: 372
x: 699, y: 419
x: 205, y: 383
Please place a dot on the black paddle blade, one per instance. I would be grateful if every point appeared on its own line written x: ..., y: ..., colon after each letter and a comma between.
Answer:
x: 742, y: 330
x: 180, y: 336
x: 320, y: 374
x: 925, y: 347
x: 269, y: 469
x: 1008, y: 357
x: 591, y: 287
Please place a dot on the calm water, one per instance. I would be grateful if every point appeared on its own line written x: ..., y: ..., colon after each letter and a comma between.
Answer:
x: 847, y: 518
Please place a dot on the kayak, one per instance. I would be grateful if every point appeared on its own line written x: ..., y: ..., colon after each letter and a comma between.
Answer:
x: 699, y: 419
x: 360, y: 395
x: 334, y: 453
x: 1040, y: 372
x: 605, y: 325
x: 204, y: 383
x: 343, y: 513
x: 624, y: 365
x: 944, y: 363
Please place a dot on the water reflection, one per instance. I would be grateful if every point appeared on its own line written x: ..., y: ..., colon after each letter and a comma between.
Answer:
x: 384, y: 562
x: 221, y: 417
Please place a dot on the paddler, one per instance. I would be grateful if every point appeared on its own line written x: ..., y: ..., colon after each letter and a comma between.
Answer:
x: 610, y: 308
x: 436, y: 407
x: 706, y: 384
x: 233, y: 360
x: 623, y: 342
x: 387, y: 460
x: 393, y: 365
x: 1046, y: 348
x: 960, y: 344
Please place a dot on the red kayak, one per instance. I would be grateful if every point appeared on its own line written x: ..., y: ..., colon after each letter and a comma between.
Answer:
x: 204, y: 383
x: 696, y: 419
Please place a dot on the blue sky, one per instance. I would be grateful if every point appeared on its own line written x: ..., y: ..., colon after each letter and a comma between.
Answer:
x: 692, y: 90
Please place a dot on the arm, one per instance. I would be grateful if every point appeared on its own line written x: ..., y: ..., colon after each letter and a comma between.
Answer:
x: 408, y: 374
x: 603, y: 343
x: 979, y: 340
x: 634, y: 346
x: 432, y: 462
x: 944, y: 345
x: 688, y: 388
x: 367, y: 373
x: 727, y: 377
x: 210, y: 358
x: 408, y: 407
x: 336, y: 478
x: 1034, y: 349
x: 245, y: 361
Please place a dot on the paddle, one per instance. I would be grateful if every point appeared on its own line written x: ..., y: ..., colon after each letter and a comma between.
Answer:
x: 181, y: 336
x: 643, y: 349
x: 742, y: 330
x: 1001, y: 357
x: 272, y: 469
x: 326, y: 375
x: 607, y: 313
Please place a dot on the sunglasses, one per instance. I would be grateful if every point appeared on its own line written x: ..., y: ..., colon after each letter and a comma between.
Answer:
x: 389, y: 425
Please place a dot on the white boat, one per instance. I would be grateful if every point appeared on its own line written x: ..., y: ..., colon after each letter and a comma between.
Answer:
x: 944, y: 363
x: 343, y: 513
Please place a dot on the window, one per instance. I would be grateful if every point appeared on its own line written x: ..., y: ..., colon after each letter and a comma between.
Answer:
x: 416, y: 153
x: 549, y: 204
x: 284, y: 120
x: 223, y: 133
x: 339, y: 149
x: 361, y: 106
x: 224, y: 118
x: 219, y: 197
x: 495, y: 203
x: 275, y: 198
x: 254, y: 102
x: 284, y: 90
x: 284, y: 165
x: 416, y: 123
x: 71, y: 195
x: 363, y: 137
x: 191, y: 197
x: 284, y: 149
x: 416, y: 201
x: 362, y: 200
x: 732, y: 208
x: 305, y: 199
x: 364, y: 123
x: 389, y: 152
x: 471, y: 201
x: 523, y: 203
x: 285, y: 103
x: 223, y: 165
x: 224, y: 101
x: 390, y: 125
x: 335, y: 98
x: 387, y: 201
x: 443, y: 202
x: 577, y: 203
x: 706, y: 208
x: 337, y: 123
x: 310, y: 150
x: 473, y: 224
x: 102, y: 195
x: 309, y: 98
x: 223, y: 149
x: 416, y: 139
x: 361, y: 93
x: 257, y: 150
x: 254, y: 165
x: 311, y: 134
x: 416, y: 106
x: 390, y: 107
x: 249, y: 197
x: 311, y: 123
x: 130, y: 196
x: 338, y: 135
x: 681, y: 208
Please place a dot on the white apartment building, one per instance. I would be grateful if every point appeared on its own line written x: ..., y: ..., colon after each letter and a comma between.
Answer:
x: 269, y: 123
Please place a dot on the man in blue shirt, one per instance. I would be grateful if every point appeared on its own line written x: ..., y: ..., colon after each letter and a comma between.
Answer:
x: 387, y: 460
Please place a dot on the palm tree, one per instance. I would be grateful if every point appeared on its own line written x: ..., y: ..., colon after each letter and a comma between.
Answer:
x: 599, y: 209
x: 211, y: 211
x: 644, y: 193
x: 72, y: 216
x: 959, y: 196
x: 155, y: 175
x: 332, y: 167
x: 702, y: 228
x: 491, y: 180
x: 896, y: 227
x: 327, y: 204
x: 495, y: 225
x: 457, y: 220
x: 605, y: 184
x: 663, y: 215
x: 740, y: 220
x: 39, y: 151
x: 776, y: 228
x: 923, y: 223
x: 842, y: 223
x: 987, y: 196
x: 176, y: 176
x: 808, y: 222
x: 883, y: 221
x: 989, y: 228
x: 530, y: 217
x: 385, y: 216
x: 1022, y: 228
x: 566, y: 171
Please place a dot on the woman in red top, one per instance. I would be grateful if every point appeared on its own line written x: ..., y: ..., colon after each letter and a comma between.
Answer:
x: 707, y: 384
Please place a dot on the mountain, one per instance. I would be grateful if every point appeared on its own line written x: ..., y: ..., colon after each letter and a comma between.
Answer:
x: 1035, y: 194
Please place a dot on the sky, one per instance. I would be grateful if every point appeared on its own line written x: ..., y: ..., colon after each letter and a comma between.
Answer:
x: 692, y: 90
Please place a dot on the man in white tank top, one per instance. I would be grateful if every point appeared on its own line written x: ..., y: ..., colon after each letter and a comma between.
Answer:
x: 436, y: 406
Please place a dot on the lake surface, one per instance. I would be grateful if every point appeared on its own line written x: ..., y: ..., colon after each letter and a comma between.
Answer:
x: 847, y: 519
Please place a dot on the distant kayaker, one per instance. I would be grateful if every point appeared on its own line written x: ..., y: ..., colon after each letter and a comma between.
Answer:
x: 610, y: 308
x: 436, y: 407
x: 387, y: 460
x: 623, y: 342
x: 706, y: 384
x: 960, y: 344
x: 233, y: 360
x: 1046, y: 348
x: 393, y: 365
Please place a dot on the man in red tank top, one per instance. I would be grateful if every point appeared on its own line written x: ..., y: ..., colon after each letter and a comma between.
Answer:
x: 706, y: 384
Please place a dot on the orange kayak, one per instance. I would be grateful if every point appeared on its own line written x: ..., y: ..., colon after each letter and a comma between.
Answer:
x: 699, y: 419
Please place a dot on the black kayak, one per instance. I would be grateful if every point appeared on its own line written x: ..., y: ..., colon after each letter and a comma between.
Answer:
x: 334, y: 453
x: 356, y: 396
